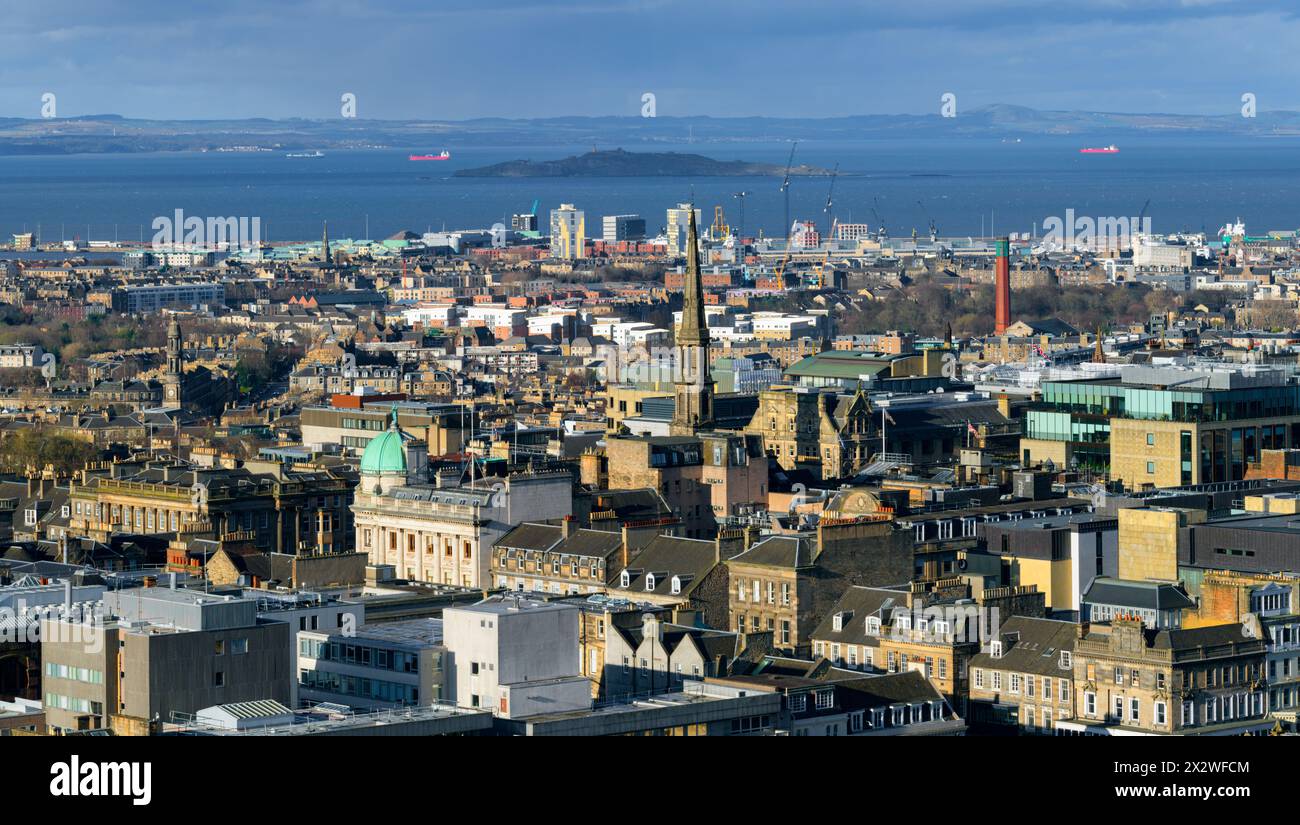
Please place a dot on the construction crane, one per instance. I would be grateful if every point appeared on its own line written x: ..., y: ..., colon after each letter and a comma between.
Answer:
x: 785, y: 188
x: 820, y: 272
x: 740, y: 227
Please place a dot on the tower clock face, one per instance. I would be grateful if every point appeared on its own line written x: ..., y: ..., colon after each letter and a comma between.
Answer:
x: 171, y: 393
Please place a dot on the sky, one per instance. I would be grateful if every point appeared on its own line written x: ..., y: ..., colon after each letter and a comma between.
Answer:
x: 461, y: 59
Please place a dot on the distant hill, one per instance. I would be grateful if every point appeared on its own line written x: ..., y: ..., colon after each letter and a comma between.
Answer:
x: 110, y: 133
x: 618, y: 163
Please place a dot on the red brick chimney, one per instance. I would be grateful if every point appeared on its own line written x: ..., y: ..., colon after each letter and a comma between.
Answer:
x: 1002, y: 314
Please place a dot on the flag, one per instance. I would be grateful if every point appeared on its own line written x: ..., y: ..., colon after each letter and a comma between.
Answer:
x: 971, y: 429
x: 888, y: 417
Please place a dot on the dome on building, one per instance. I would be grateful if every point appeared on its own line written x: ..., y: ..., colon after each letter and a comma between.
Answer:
x: 386, y: 453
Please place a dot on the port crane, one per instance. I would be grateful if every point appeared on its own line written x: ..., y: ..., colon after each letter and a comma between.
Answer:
x: 785, y: 187
x: 934, y: 230
x: 719, y: 229
x: 882, y: 234
x: 830, y: 199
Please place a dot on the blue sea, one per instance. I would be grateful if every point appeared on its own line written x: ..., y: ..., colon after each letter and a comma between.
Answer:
x: 968, y: 187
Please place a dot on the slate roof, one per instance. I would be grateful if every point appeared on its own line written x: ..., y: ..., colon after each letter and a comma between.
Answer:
x: 1030, y: 646
x: 778, y: 551
x: 668, y: 556
x: 1143, y: 595
x: 858, y: 603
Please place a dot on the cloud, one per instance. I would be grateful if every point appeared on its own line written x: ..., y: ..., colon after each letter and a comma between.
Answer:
x: 513, y: 58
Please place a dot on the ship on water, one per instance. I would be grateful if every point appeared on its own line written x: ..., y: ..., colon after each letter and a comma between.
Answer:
x: 1100, y: 150
x: 317, y: 154
x: 443, y: 155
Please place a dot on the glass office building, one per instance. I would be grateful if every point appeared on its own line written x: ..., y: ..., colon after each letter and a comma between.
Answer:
x: 1230, y: 417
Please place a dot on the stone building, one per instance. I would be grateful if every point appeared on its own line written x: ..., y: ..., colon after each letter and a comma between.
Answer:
x: 1130, y: 679
x: 1023, y: 679
x: 444, y: 532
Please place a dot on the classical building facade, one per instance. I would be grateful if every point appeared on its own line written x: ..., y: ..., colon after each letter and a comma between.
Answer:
x: 443, y: 533
x: 1131, y: 679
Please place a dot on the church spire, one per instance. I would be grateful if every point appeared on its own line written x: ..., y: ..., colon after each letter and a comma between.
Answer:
x: 325, y: 243
x: 694, y: 330
x: 694, y: 385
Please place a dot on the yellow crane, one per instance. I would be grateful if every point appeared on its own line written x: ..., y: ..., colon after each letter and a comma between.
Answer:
x: 719, y: 229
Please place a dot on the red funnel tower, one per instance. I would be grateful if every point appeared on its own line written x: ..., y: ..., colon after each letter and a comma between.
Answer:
x: 1002, y: 315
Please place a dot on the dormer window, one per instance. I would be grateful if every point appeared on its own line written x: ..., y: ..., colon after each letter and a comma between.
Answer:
x: 676, y: 585
x: 649, y: 582
x: 904, y: 622
x: 1066, y: 659
x: 837, y: 622
x: 873, y: 625
x: 624, y: 579
x: 995, y: 650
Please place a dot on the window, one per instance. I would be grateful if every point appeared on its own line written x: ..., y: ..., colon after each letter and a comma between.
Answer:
x: 798, y: 704
x: 1134, y: 709
x: 1151, y: 439
x: 1090, y: 704
x: 219, y: 679
x: 825, y: 699
x: 979, y: 678
x: 1151, y: 468
x: 238, y: 646
x: 1160, y: 713
x: 219, y: 647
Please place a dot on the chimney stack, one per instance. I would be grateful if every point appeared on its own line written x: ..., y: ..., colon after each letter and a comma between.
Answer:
x: 1002, y: 313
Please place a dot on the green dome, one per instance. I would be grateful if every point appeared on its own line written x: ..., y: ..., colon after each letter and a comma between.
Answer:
x: 386, y: 453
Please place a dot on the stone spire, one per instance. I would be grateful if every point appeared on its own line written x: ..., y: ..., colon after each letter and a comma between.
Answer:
x: 325, y: 244
x: 1099, y: 352
x: 694, y: 385
x: 694, y: 330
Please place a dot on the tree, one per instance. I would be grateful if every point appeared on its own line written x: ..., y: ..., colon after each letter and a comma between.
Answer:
x: 38, y: 447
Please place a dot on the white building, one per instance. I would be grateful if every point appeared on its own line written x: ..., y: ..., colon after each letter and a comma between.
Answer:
x: 678, y: 218
x: 443, y: 533
x: 18, y: 356
x: 516, y: 657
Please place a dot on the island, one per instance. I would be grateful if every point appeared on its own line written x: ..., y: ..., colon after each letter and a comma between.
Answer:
x: 618, y: 163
